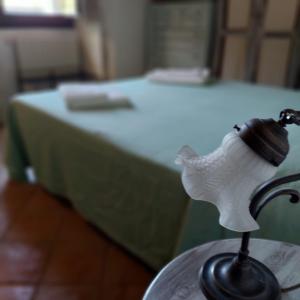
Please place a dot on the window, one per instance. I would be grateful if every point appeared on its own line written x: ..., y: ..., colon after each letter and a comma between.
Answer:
x: 38, y: 13
x: 38, y: 7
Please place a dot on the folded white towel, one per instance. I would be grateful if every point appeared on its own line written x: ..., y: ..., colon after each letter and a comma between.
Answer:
x: 89, y: 96
x: 180, y: 76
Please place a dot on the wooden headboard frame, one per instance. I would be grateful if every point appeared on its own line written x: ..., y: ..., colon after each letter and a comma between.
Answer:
x: 255, y: 34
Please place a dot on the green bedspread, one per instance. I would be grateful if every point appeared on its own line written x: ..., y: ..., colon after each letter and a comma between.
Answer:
x: 117, y: 167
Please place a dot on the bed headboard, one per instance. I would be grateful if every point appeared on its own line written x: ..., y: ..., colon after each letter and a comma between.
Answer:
x: 179, y: 34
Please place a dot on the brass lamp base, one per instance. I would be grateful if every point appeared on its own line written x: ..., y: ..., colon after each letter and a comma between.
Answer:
x: 225, y: 277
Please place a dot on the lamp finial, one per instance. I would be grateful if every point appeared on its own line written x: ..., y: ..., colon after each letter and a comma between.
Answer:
x: 289, y: 116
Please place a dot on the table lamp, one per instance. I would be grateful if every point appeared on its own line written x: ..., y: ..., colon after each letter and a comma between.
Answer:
x: 236, y: 178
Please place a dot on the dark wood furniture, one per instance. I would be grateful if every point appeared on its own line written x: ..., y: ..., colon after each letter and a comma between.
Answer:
x: 179, y: 279
x: 255, y: 33
x: 179, y: 34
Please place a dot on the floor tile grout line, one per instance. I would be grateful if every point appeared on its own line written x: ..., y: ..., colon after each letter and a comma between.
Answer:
x: 52, y: 243
x: 51, y: 249
x: 19, y: 215
x: 49, y: 257
x: 105, y: 269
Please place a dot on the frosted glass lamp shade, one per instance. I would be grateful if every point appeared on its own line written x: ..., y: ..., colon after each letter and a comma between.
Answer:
x: 226, y: 177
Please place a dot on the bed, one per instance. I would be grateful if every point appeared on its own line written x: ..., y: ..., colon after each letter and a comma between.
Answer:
x: 117, y: 167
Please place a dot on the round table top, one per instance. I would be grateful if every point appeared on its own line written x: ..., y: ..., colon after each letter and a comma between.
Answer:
x: 179, y: 279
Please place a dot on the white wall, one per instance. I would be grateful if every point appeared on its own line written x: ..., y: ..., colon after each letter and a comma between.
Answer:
x: 124, y: 28
x: 40, y: 50
x: 113, y: 36
x: 91, y: 37
x: 44, y: 49
x: 91, y: 43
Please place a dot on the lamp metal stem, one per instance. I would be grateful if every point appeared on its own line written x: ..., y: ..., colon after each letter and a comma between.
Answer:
x: 261, y: 198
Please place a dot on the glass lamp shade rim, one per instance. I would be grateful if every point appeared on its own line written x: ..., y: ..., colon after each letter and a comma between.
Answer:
x: 226, y: 178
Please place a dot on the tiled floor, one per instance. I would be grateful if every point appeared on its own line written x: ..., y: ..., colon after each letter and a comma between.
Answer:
x: 48, y: 252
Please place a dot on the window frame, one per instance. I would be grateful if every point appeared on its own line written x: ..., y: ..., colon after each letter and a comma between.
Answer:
x: 8, y: 20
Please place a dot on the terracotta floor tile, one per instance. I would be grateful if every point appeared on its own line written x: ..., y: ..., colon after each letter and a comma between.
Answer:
x: 73, y: 224
x: 76, y: 230
x: 21, y: 262
x: 16, y: 196
x: 7, y: 218
x: 112, y: 293
x: 16, y: 292
x: 67, y: 293
x: 39, y: 221
x: 43, y: 205
x: 122, y: 292
x: 36, y: 229
x: 19, y: 190
x: 123, y: 269
x: 134, y: 292
x: 74, y: 263
x: 10, y: 210
x: 12, y: 202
